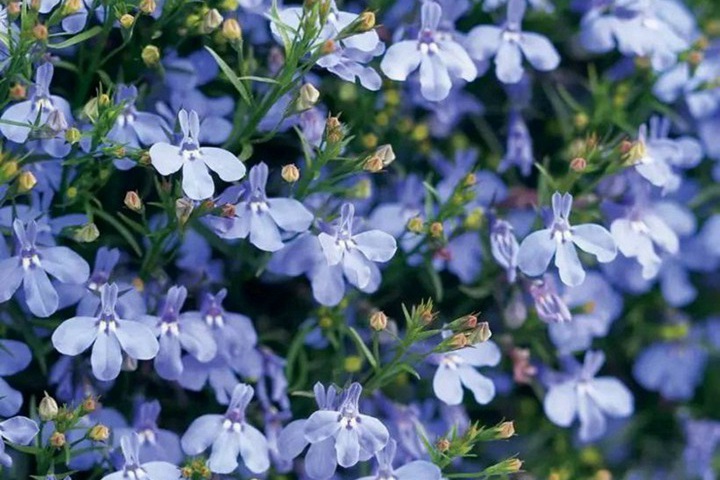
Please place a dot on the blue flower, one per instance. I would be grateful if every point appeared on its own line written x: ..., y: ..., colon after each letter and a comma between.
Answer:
x: 195, y: 160
x: 458, y: 368
x: 559, y: 240
x: 580, y: 394
x: 14, y: 357
x: 109, y: 336
x: 504, y: 247
x: 549, y: 304
x: 356, y: 252
x: 134, y: 469
x: 341, y: 436
x: 31, y: 267
x: 154, y: 443
x: 702, y: 437
x: 440, y: 58
x: 19, y: 430
x: 176, y: 332
x: 230, y: 435
x: 519, y: 151
x: 417, y: 470
x: 39, y: 107
x: 508, y: 44
x: 133, y: 128
x: 260, y: 217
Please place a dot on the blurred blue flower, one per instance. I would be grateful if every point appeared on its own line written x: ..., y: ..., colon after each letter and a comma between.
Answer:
x: 133, y: 467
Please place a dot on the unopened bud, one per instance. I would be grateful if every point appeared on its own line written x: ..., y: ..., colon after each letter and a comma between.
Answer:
x: 57, y: 440
x: 228, y: 210
x: 150, y: 55
x: 87, y: 233
x: 436, y: 229
x: 471, y: 322
x: 353, y: 363
x: 104, y: 100
x: 8, y: 169
x: 71, y: 6
x: 231, y: 30
x: 334, y: 130
x: 132, y: 201
x: 309, y: 96
x: 148, y: 7
x: 625, y: 146
x: 373, y: 164
x: 72, y: 135
x: 89, y: 405
x: 211, y: 20
x: 14, y: 8
x: 17, y: 92
x: 48, y: 408
x: 481, y: 334
x: 328, y: 47
x: 366, y: 21
x: 378, y: 321
x: 578, y: 164
x: 505, y: 430
x: 415, y: 225
x: 99, y: 433
x: 26, y: 181
x: 458, y: 341
x: 127, y: 20
x: 183, y: 209
x: 469, y: 180
x: 290, y: 173
x: 443, y: 445
x: 40, y: 32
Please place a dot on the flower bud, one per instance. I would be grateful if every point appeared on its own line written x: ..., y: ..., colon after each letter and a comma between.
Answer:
x: 523, y: 370
x: 366, y: 21
x: 443, y: 445
x: 578, y: 164
x: 328, y: 47
x: 458, y: 341
x: 183, y: 209
x: 104, y: 100
x: 378, y: 321
x: 71, y: 6
x: 352, y: 363
x: 132, y: 201
x: 14, y: 8
x: 72, y: 135
x: 57, y: 440
x: 8, y: 169
x: 26, y: 182
x: 231, y: 30
x: 127, y: 20
x: 48, y: 408
x: 228, y: 210
x: 373, y: 164
x: 505, y: 430
x: 40, y: 32
x: 211, y: 20
x: 436, y: 229
x: 471, y: 322
x: 290, y: 173
x: 99, y: 433
x: 415, y: 225
x: 480, y: 334
x: 148, y: 7
x: 17, y: 91
x: 334, y: 130
x: 308, y: 97
x: 150, y: 55
x: 89, y: 405
x: 87, y: 233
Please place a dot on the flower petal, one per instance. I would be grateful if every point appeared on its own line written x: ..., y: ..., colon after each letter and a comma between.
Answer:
x: 197, y: 182
x: 201, y: 434
x: 40, y: 295
x: 166, y: 158
x: 535, y: 253
x: 568, y: 264
x: 595, y: 240
x: 447, y: 386
x: 75, y: 335
x: 225, y: 164
x: 106, y: 358
x: 401, y: 59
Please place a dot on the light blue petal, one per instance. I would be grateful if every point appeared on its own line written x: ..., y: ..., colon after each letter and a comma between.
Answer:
x: 535, y: 253
x: 254, y: 449
x: 447, y: 386
x: 435, y: 81
x: 64, y: 264
x: 74, y: 336
x: 106, y: 358
x: 508, y: 63
x: 197, y: 182
x: 225, y: 164
x: 20, y: 430
x: 264, y: 233
x: 568, y: 264
x: 539, y: 51
x: 482, y: 387
x: 321, y: 460
x: 290, y: 214
x: 12, y: 277
x: 321, y: 425
x: 40, y: 295
x: 401, y: 59
x: 560, y: 404
x: 201, y: 434
x: 377, y: 246
x: 595, y: 240
x: 612, y: 396
x: 137, y: 339
x: 291, y: 441
x: 225, y: 451
x: 166, y: 158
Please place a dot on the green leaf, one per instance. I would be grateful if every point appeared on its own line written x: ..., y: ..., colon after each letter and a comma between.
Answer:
x: 79, y: 38
x: 234, y: 79
x: 363, y: 348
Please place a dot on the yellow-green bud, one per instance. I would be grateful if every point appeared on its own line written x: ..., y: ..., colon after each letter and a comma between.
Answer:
x: 127, y: 20
x: 183, y: 209
x: 211, y: 20
x: 415, y: 225
x: 353, y: 363
x: 72, y: 135
x: 505, y: 430
x: 378, y: 320
x: 148, y: 6
x: 8, y: 169
x: 87, y: 233
x: 443, y: 445
x: 308, y: 97
x: 71, y: 6
x: 48, y: 408
x: 231, y: 30
x: 150, y: 55
x: 366, y: 21
x: 40, y: 32
x: 290, y: 173
x: 26, y: 181
x: 99, y: 433
x: 57, y: 440
x: 436, y: 229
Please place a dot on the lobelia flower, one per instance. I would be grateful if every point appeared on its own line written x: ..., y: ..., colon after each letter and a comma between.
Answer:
x: 19, y: 430
x: 549, y: 304
x: 703, y: 438
x: 519, y: 151
x: 504, y: 247
x: 509, y: 44
x: 581, y: 394
x: 419, y: 469
x: 109, y: 336
x: 39, y: 107
x: 195, y: 160
x: 31, y: 266
x: 230, y: 435
x: 560, y: 240
x: 134, y: 469
x: 133, y: 128
x: 339, y: 437
x: 260, y: 217
x: 14, y: 357
x: 458, y: 368
x: 154, y: 443
x: 176, y: 332
x: 440, y: 58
